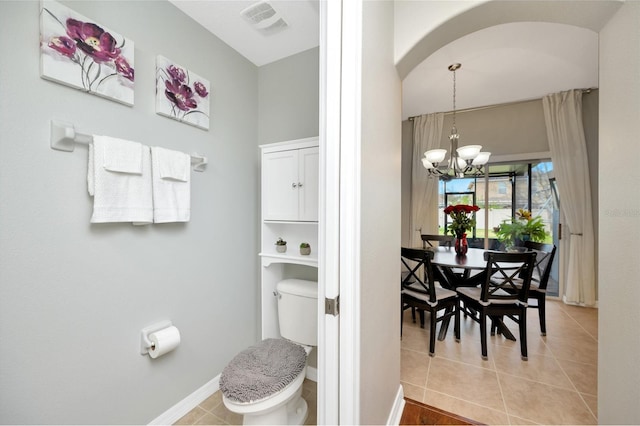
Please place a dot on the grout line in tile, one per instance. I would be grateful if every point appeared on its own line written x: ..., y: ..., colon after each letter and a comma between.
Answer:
x: 504, y: 402
x: 588, y: 406
x: 469, y: 364
x: 542, y: 383
x: 426, y: 380
x: 468, y: 402
x: 579, y: 324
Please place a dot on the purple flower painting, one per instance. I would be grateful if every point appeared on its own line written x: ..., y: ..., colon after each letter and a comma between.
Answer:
x: 181, y: 94
x: 80, y: 53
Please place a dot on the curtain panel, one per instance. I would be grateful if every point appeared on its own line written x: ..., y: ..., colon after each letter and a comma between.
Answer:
x: 563, y: 118
x: 427, y: 132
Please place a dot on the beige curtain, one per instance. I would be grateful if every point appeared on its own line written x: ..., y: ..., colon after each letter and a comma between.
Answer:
x: 427, y: 132
x: 563, y: 118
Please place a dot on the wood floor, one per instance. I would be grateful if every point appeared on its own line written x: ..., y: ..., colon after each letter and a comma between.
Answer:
x: 417, y: 413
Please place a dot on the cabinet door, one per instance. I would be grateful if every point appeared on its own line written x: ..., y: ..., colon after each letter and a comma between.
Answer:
x: 308, y: 184
x: 280, y: 185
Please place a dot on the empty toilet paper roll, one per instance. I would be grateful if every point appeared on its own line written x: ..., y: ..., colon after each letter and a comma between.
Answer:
x: 163, y: 341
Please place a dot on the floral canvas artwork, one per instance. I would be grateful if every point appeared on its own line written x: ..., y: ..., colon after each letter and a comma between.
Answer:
x: 85, y: 55
x: 181, y: 94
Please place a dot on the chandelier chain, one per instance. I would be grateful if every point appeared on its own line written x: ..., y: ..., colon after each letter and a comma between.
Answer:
x: 454, y: 98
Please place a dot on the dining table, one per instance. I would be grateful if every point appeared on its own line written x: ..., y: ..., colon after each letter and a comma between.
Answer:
x: 469, y: 270
x: 453, y: 270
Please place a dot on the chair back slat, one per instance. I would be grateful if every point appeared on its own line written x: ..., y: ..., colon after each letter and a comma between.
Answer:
x: 508, y: 276
x: 443, y: 240
x: 418, y: 271
x: 544, y: 262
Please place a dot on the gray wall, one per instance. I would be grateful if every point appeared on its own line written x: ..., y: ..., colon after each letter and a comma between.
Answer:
x: 407, y: 155
x: 502, y: 130
x: 289, y: 98
x: 74, y: 296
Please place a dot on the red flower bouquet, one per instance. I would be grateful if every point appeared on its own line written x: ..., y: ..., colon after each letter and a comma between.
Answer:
x: 463, y: 220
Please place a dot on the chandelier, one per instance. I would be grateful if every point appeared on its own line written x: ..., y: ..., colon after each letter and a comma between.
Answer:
x: 464, y: 161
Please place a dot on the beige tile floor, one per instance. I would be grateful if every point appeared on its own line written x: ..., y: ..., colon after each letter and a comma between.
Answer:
x: 557, y: 385
x: 212, y: 411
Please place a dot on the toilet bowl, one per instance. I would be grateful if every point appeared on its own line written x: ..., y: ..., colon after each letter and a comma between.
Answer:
x: 285, y: 406
x: 263, y: 383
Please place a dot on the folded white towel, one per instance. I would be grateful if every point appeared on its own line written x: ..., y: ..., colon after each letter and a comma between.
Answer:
x: 121, y: 190
x: 173, y: 164
x: 171, y: 172
x: 122, y: 156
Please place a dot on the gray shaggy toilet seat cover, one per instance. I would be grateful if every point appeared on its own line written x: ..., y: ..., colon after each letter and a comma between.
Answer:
x: 262, y: 370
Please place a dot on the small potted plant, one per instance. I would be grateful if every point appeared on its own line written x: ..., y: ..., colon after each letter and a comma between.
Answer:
x: 281, y: 245
x: 305, y: 249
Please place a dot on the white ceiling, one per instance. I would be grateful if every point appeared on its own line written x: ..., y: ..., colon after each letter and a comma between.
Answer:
x: 223, y: 19
x: 504, y: 63
x: 500, y: 64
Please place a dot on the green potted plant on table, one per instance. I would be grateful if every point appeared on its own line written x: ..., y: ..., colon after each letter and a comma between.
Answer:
x: 524, y: 227
x: 281, y: 245
x: 305, y: 249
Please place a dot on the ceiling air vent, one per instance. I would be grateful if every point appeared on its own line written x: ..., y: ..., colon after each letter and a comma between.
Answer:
x: 263, y: 17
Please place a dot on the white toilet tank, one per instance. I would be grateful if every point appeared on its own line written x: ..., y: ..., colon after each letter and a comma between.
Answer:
x: 298, y: 311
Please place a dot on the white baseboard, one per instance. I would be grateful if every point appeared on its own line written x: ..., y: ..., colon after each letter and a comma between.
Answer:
x: 398, y: 406
x: 174, y: 413
x: 312, y: 374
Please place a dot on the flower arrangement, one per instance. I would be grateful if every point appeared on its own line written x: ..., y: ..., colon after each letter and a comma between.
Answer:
x: 186, y: 95
x: 461, y: 219
x: 104, y: 59
x: 524, y: 226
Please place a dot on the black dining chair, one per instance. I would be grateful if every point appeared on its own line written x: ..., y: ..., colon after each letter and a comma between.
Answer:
x: 504, y: 292
x: 428, y: 240
x: 442, y: 240
x: 545, y: 254
x: 418, y: 291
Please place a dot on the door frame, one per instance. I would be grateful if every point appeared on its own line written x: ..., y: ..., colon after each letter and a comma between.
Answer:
x: 339, y: 248
x: 328, y: 402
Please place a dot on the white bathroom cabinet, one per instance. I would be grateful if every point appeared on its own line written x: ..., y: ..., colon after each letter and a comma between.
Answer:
x: 290, y: 212
x: 290, y: 181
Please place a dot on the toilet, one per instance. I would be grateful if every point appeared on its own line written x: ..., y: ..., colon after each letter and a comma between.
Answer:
x: 263, y: 383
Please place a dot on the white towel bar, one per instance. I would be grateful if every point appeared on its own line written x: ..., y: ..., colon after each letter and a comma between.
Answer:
x: 64, y: 138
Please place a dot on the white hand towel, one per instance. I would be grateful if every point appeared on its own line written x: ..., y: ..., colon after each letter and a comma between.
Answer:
x: 122, y: 156
x: 173, y: 164
x: 121, y: 190
x: 171, y: 172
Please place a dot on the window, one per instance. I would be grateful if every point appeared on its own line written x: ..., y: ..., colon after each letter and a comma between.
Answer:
x: 510, y: 187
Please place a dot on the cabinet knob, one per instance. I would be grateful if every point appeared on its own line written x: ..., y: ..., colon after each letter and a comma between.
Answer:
x: 293, y: 185
x: 299, y: 185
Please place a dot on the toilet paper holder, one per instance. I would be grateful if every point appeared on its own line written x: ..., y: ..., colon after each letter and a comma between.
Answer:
x: 145, y: 343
